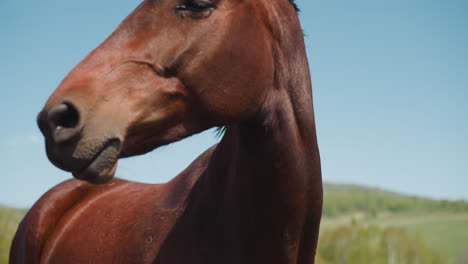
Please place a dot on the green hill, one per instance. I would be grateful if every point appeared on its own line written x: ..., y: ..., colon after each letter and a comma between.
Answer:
x: 342, y: 199
x: 441, y: 224
x: 353, y: 217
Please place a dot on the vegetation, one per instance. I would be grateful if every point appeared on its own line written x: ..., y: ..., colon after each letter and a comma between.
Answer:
x: 441, y: 224
x: 9, y: 220
x: 341, y: 199
x: 372, y: 244
x: 363, y: 225
x: 449, y: 234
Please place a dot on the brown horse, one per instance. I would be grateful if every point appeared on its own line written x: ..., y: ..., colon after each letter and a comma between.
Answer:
x: 174, y: 68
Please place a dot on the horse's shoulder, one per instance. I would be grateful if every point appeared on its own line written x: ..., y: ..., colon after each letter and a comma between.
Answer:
x: 40, y: 221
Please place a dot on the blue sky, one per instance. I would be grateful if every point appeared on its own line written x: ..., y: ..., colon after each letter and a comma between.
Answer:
x: 390, y: 89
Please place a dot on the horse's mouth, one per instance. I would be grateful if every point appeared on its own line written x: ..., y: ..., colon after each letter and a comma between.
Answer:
x: 102, y: 167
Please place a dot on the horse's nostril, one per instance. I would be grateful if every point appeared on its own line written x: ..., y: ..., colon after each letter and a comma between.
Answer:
x: 63, y: 115
x: 63, y: 120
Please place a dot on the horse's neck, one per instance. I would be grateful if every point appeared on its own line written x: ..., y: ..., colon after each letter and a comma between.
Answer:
x: 277, y: 155
x: 265, y: 177
x: 269, y: 165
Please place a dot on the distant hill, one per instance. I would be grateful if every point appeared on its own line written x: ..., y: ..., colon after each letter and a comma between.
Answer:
x: 344, y: 199
x: 442, y: 224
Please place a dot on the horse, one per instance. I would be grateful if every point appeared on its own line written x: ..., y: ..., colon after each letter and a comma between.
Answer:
x: 172, y: 69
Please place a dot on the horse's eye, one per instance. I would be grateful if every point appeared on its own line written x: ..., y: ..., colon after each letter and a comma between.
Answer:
x: 195, y: 5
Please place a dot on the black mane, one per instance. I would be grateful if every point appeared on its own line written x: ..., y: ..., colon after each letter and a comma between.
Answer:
x: 295, y: 5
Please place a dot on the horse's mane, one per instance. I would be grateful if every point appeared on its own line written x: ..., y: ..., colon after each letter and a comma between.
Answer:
x: 295, y: 5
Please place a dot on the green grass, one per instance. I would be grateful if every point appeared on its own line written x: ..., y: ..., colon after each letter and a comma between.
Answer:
x: 443, y: 224
x: 9, y: 220
x: 445, y: 232
x: 357, y: 244
x: 450, y: 235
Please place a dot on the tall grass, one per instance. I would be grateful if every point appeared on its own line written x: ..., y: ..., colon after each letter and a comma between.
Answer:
x: 356, y: 244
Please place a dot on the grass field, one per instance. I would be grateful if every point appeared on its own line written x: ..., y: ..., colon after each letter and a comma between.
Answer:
x: 446, y: 232
x: 450, y: 235
x: 442, y: 224
x: 9, y: 219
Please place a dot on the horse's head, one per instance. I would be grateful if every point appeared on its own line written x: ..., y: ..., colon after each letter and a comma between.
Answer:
x: 171, y: 69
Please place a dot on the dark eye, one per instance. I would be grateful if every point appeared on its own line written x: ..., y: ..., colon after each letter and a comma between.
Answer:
x: 195, y: 6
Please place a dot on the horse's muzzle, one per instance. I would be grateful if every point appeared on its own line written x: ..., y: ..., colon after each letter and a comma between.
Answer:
x: 93, y: 159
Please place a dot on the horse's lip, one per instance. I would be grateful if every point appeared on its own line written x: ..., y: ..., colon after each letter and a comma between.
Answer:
x: 101, y: 168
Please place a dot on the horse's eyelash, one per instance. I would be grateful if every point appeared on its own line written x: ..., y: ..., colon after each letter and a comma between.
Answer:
x: 194, y: 5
